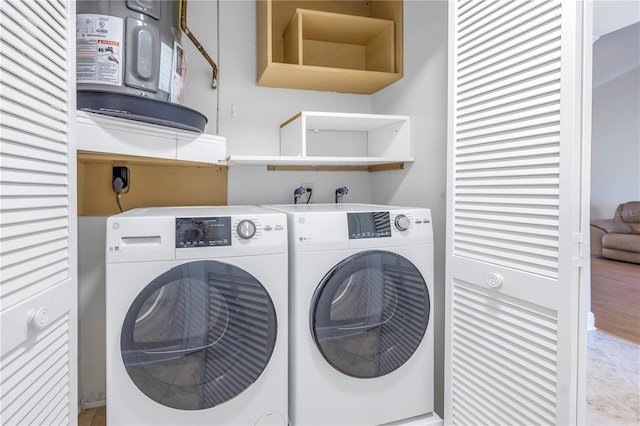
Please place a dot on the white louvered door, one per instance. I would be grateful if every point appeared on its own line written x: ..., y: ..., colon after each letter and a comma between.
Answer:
x: 38, y: 282
x: 514, y: 212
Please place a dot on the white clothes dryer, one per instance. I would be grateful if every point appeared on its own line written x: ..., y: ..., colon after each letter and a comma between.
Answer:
x: 360, y: 314
x: 196, y: 301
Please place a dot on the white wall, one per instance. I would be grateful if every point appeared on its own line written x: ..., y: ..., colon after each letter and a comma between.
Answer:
x: 422, y: 94
x: 615, y: 144
x: 91, y: 310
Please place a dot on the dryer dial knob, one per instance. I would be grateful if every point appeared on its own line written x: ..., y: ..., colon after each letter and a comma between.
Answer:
x: 246, y: 229
x: 402, y: 222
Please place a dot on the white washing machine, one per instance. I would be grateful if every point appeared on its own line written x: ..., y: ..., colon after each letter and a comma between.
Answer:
x: 196, y: 301
x: 360, y: 315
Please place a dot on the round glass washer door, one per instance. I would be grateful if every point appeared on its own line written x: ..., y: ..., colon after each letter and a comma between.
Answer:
x: 198, y: 335
x: 369, y: 313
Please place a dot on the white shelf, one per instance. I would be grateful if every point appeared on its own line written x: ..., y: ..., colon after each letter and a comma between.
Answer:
x: 338, y: 139
x: 111, y: 135
x: 279, y: 160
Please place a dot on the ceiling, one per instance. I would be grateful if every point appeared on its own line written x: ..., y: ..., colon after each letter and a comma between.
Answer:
x: 616, y: 34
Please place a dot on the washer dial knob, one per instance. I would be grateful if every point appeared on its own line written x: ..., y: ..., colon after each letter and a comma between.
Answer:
x: 402, y: 222
x: 246, y: 229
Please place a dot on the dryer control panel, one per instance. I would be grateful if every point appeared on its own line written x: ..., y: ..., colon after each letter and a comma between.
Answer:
x: 368, y: 225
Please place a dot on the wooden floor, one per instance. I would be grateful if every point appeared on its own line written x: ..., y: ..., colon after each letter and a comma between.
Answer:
x: 93, y: 417
x: 615, y: 297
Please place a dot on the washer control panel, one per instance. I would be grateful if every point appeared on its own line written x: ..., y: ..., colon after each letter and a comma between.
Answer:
x: 203, y: 231
x: 246, y: 229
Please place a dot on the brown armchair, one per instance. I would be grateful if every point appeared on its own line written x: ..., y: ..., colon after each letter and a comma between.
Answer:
x: 618, y: 238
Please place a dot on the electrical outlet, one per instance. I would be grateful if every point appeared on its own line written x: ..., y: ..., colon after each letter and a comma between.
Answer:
x: 308, y: 187
x: 122, y: 173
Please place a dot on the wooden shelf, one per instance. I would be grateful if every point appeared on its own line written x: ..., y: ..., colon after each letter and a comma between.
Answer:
x: 338, y: 141
x: 340, y: 80
x: 336, y: 40
x: 339, y: 46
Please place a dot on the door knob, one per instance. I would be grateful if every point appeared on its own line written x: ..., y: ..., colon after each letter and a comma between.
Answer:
x: 494, y: 280
x: 38, y: 318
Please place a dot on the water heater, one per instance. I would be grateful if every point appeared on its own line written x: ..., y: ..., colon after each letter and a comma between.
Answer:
x: 130, y: 63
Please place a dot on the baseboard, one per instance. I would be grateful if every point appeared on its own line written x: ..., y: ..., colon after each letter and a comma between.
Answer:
x: 591, y: 322
x: 85, y: 405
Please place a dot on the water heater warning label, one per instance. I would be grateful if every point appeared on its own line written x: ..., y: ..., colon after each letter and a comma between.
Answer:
x: 99, y: 49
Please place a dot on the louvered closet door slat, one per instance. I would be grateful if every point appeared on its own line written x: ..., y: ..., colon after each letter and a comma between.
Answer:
x: 40, y: 13
x: 55, y: 5
x: 531, y: 405
x: 535, y: 122
x: 23, y: 113
x: 45, y: 271
x: 512, y: 174
x: 502, y: 96
x: 497, y: 225
x: 505, y: 356
x: 30, y: 11
x: 25, y: 43
x: 479, y: 108
x: 14, y: 67
x: 478, y: 23
x: 480, y: 115
x: 31, y: 374
x: 32, y: 239
x: 33, y: 191
x: 38, y: 284
x: 32, y: 253
x: 546, y: 182
x: 539, y: 224
x: 466, y: 5
x: 25, y: 217
x: 544, y: 244
x: 543, y: 44
x: 513, y: 368
x: 510, y: 74
x: 34, y: 227
x: 484, y: 135
x: 22, y: 144
x: 41, y: 39
x: 45, y: 104
x: 16, y: 90
x: 474, y: 159
x: 32, y: 126
x: 495, y: 31
x: 46, y: 117
x: 517, y: 30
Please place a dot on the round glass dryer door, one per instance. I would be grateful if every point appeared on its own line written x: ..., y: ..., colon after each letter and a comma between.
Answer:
x: 369, y: 313
x: 198, y: 335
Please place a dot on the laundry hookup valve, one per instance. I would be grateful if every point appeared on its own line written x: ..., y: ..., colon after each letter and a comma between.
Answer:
x: 298, y: 195
x: 340, y: 193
